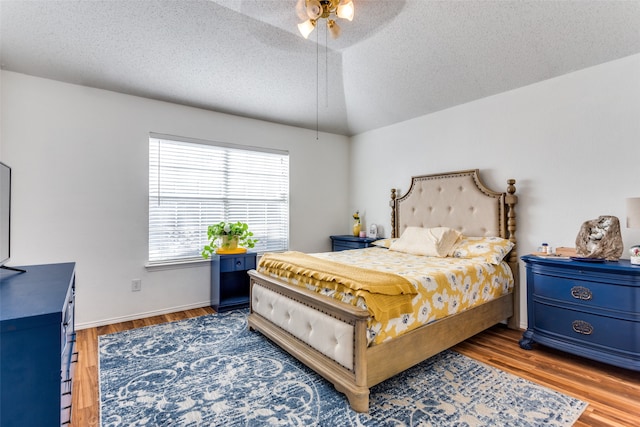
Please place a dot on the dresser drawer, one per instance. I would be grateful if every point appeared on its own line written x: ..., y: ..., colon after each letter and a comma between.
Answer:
x: 237, y: 263
x: 66, y: 401
x: 587, y: 328
x: 343, y: 246
x: 67, y: 331
x: 69, y: 363
x: 588, y: 293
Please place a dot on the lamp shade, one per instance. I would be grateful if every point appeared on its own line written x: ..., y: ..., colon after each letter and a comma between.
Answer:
x: 633, y: 212
x: 346, y: 10
x: 314, y: 9
x: 306, y: 27
x: 334, y: 29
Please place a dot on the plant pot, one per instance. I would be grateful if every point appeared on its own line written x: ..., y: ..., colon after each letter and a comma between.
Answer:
x: 229, y: 243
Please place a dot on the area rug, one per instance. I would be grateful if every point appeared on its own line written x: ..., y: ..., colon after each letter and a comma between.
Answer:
x: 213, y: 371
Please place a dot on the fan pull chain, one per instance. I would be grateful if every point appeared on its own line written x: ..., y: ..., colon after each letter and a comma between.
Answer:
x: 317, y: 86
x: 326, y: 72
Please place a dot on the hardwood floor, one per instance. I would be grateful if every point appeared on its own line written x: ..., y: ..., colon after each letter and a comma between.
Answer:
x: 613, y: 393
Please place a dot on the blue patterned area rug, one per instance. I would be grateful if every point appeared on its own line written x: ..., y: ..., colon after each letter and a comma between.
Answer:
x: 212, y: 371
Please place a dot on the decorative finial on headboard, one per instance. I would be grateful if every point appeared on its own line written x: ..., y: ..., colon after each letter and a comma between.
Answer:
x: 392, y: 203
x: 511, y: 199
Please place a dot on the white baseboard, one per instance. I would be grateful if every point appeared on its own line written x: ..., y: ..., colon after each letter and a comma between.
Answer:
x: 138, y: 316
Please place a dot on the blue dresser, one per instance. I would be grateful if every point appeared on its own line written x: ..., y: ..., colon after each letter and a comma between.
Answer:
x: 37, y: 345
x: 591, y: 309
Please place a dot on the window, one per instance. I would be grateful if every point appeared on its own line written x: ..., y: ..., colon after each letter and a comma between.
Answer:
x: 195, y: 183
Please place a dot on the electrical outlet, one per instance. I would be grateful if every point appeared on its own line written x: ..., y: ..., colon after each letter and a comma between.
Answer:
x: 136, y: 285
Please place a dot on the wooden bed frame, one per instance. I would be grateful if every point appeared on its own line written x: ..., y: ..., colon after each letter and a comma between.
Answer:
x: 296, y: 318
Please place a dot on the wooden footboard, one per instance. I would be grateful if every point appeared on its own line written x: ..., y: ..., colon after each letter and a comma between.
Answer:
x: 370, y: 365
x: 297, y: 303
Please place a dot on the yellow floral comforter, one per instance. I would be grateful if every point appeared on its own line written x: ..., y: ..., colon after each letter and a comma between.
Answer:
x: 444, y: 286
x: 385, y: 294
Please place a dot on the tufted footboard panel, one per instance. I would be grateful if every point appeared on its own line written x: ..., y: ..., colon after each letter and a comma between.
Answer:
x: 328, y: 335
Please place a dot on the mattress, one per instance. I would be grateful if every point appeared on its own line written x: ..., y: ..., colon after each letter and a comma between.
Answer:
x: 444, y: 286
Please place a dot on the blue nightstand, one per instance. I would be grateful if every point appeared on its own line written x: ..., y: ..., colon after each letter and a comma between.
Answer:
x: 591, y: 309
x: 345, y: 242
x: 230, y: 281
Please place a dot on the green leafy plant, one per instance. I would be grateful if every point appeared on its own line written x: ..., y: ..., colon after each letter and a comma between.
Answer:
x: 232, y: 230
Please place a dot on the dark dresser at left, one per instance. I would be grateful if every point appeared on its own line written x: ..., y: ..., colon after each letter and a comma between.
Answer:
x: 37, y: 345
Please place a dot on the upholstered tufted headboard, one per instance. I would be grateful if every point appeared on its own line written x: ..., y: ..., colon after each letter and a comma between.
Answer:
x: 458, y: 200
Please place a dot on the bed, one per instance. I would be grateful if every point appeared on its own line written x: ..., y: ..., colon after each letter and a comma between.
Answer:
x: 333, y: 337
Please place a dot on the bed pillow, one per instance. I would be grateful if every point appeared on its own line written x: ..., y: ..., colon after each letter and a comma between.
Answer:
x: 491, y: 249
x: 436, y: 241
x: 384, y: 243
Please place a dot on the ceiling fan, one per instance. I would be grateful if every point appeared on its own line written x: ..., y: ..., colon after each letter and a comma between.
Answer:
x: 316, y: 9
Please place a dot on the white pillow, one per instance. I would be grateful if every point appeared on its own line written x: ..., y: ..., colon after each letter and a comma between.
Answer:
x: 436, y: 241
x: 490, y: 249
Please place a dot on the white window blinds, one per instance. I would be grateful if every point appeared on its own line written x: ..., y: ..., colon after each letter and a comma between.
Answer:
x: 193, y: 184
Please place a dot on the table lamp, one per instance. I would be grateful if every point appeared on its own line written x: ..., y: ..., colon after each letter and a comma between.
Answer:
x: 633, y: 221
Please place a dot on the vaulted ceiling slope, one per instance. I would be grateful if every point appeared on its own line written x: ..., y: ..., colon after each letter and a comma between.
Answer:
x: 395, y: 61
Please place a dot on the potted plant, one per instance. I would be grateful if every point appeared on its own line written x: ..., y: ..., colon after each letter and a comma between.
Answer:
x: 227, y: 236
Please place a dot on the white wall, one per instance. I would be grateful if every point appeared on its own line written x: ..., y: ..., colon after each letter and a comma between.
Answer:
x: 80, y: 189
x: 0, y: 116
x: 572, y: 143
x: 79, y: 158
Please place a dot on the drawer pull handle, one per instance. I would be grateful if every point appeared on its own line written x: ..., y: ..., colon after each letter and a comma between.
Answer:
x: 582, y: 327
x: 582, y: 293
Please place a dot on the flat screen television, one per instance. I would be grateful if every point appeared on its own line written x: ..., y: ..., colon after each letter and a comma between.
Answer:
x: 5, y: 217
x: 5, y: 213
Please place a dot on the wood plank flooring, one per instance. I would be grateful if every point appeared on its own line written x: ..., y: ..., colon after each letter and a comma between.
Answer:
x: 613, y: 393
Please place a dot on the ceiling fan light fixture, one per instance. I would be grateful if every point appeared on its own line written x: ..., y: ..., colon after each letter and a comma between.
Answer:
x: 334, y: 29
x: 346, y: 10
x: 316, y: 9
x: 306, y: 27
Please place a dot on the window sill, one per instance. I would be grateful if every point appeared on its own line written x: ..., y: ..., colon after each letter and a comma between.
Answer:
x: 175, y: 264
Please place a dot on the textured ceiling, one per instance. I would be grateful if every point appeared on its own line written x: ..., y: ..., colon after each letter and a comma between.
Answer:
x: 397, y: 60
